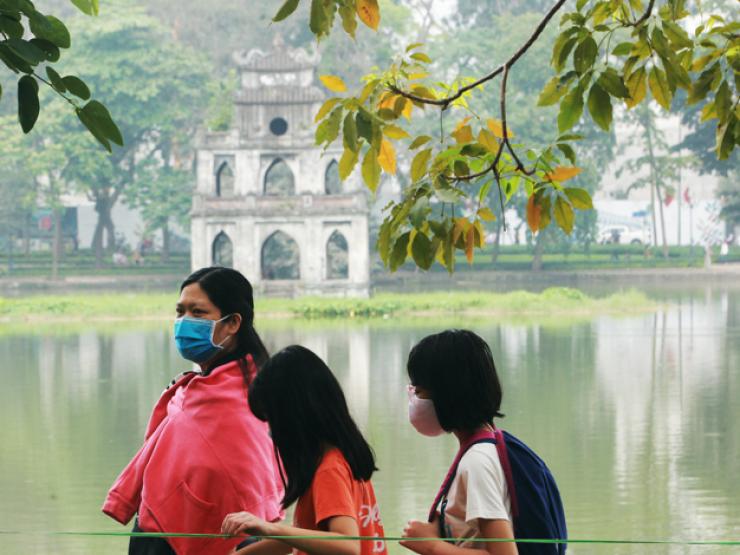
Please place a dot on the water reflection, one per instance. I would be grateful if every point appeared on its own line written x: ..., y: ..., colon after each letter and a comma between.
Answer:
x: 636, y: 416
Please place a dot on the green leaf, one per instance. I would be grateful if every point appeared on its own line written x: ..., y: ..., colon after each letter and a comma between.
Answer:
x: 347, y: 163
x: 11, y: 27
x: 564, y: 215
x: 421, y: 57
x: 349, y: 19
x: 285, y: 10
x: 48, y: 48
x: 676, y: 34
x: 571, y: 108
x: 561, y: 50
x: 56, y: 79
x: 326, y: 108
x: 26, y: 50
x: 399, y: 252
x: 420, y: 164
x: 89, y: 7
x: 637, y: 87
x: 723, y: 102
x: 659, y: 88
x: 97, y: 116
x: 600, y: 107
x: 726, y: 137
x: 585, y: 55
x: 419, y: 212
x: 579, y: 198
x: 703, y: 84
x: 423, y: 250
x: 553, y: 91
x: 320, y: 21
x: 50, y: 28
x: 622, y: 49
x: 384, y: 241
x: 567, y: 151
x: 76, y: 86
x: 419, y: 141
x: 328, y: 130
x: 28, y: 102
x: 612, y: 83
x: 364, y: 126
x: 371, y: 170
x: 349, y: 132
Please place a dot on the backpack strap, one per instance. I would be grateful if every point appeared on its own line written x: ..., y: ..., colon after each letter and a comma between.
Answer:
x: 497, y: 438
x: 503, y: 455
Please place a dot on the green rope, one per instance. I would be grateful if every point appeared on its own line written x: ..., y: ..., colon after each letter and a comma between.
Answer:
x: 726, y: 543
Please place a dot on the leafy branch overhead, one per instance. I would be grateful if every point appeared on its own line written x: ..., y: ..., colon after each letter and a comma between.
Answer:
x: 20, y: 19
x: 608, y: 53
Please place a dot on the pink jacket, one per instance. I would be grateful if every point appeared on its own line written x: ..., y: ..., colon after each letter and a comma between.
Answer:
x: 205, y: 455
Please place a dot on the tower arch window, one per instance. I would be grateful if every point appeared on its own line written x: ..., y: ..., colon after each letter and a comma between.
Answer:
x: 280, y: 258
x: 279, y: 180
x: 332, y: 183
x: 222, y: 251
x: 337, y: 257
x: 278, y: 126
x: 224, y: 177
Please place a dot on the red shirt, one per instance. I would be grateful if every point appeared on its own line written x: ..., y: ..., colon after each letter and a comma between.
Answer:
x: 335, y: 492
x: 205, y: 455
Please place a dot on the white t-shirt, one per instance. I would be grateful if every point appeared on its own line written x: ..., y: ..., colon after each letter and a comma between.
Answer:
x: 478, y: 490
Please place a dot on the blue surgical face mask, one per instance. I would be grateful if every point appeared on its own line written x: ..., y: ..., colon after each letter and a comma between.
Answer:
x: 194, y: 338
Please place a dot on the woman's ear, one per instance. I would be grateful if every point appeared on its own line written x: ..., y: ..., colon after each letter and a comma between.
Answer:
x: 232, y: 325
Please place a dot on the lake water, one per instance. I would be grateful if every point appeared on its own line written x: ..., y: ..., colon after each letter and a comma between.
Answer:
x: 638, y: 417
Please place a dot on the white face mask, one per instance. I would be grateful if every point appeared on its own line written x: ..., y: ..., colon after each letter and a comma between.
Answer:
x: 422, y: 415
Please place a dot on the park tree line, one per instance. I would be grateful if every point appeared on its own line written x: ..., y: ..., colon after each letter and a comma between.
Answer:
x: 163, y: 70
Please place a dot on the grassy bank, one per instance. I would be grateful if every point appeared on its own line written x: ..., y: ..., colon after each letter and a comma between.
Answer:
x: 157, y: 306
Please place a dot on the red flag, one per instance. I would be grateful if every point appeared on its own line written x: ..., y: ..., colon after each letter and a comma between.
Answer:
x: 686, y: 196
x: 668, y: 199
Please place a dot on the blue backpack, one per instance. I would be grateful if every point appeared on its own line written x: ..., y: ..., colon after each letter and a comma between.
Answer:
x: 535, y: 501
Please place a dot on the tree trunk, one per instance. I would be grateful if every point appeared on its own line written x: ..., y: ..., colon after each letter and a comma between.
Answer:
x: 165, y: 257
x: 538, y: 249
x: 57, y: 247
x: 104, y: 226
x: 662, y: 221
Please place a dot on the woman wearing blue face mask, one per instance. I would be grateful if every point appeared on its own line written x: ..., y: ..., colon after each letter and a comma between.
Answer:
x: 205, y: 454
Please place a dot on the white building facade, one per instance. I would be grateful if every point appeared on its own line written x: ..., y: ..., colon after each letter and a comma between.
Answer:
x: 268, y: 202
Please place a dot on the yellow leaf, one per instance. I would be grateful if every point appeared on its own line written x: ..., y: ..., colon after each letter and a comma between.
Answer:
x: 388, y: 100
x: 417, y: 76
x: 562, y: 173
x: 407, y: 108
x: 470, y: 244
x: 369, y: 13
x: 461, y: 224
x: 486, y: 214
x: 395, y: 132
x: 534, y: 213
x: 333, y: 83
x: 489, y: 142
x: 463, y: 135
x: 387, y: 157
x: 480, y: 234
x: 497, y: 128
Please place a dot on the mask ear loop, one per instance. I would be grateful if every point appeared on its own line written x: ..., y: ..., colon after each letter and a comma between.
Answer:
x: 213, y: 331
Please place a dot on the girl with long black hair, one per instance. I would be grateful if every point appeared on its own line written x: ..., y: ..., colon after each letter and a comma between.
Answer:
x: 205, y: 454
x: 326, y: 463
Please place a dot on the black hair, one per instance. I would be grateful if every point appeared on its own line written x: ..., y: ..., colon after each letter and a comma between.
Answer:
x: 231, y: 293
x: 296, y: 393
x: 456, y: 367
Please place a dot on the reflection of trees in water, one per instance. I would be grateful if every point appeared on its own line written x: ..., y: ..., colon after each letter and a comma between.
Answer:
x: 337, y: 255
x: 280, y: 257
x: 279, y: 179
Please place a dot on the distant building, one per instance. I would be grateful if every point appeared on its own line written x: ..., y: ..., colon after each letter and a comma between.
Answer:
x: 268, y: 202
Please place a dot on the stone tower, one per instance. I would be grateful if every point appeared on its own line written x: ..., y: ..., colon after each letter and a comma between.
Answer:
x: 268, y: 202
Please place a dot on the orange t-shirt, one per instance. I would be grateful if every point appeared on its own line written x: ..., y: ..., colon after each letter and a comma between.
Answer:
x: 335, y: 492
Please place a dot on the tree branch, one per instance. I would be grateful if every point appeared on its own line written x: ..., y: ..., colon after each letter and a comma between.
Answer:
x: 445, y: 102
x: 644, y: 16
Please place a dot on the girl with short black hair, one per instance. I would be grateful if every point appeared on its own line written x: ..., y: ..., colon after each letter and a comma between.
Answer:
x: 326, y: 462
x: 454, y: 388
